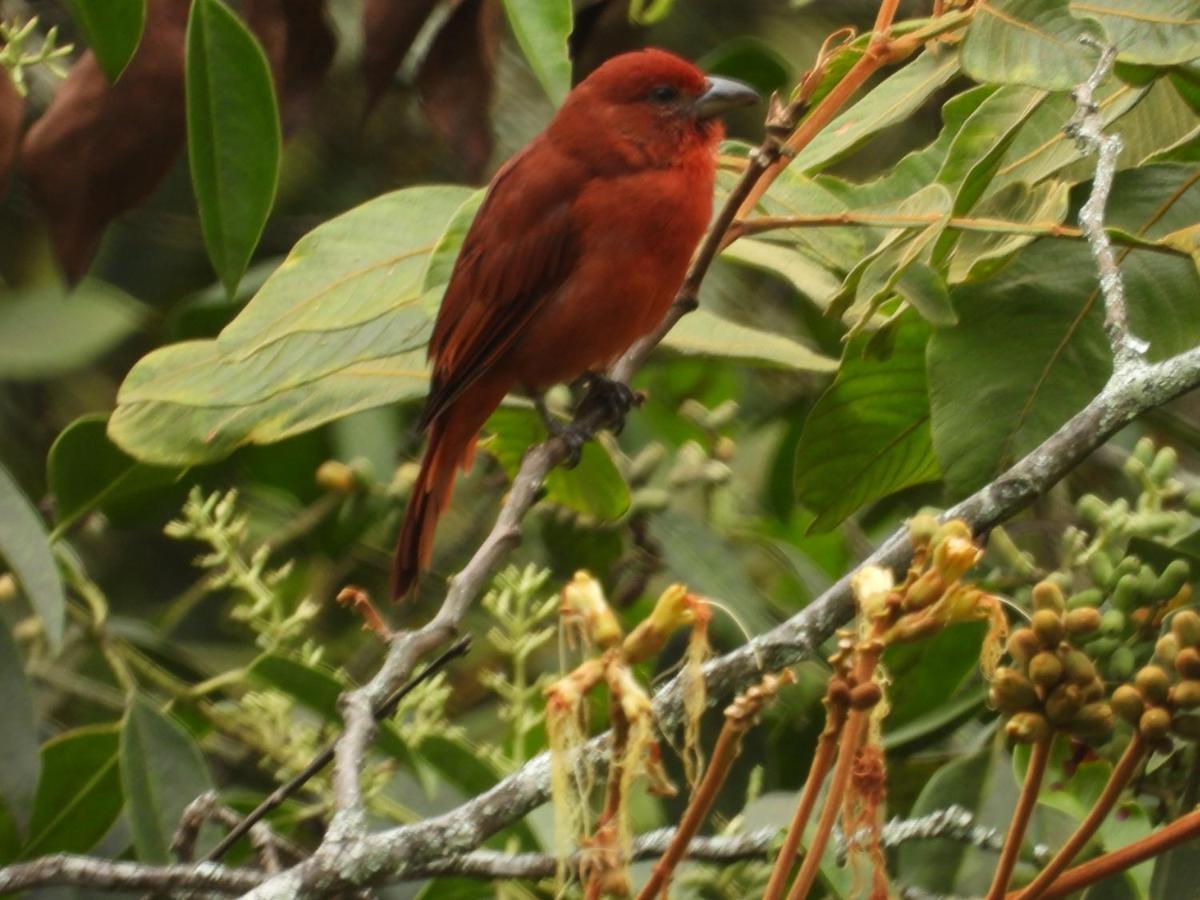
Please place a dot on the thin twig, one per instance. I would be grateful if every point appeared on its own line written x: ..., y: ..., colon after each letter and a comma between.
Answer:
x: 1086, y: 127
x: 1121, y: 774
x: 1038, y: 759
x: 322, y: 759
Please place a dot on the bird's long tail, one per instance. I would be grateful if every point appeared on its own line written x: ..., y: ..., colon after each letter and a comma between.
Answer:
x: 452, y: 437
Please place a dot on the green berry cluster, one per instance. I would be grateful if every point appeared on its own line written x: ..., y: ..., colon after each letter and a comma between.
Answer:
x: 1164, y: 696
x: 1052, y: 685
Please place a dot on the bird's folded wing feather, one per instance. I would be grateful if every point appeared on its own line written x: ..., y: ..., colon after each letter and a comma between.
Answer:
x: 517, y: 253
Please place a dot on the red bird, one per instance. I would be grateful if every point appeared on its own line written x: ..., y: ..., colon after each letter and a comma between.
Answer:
x: 577, y: 251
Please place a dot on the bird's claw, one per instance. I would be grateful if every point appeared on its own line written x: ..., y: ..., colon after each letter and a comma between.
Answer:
x: 612, y: 399
x: 571, y: 436
x: 573, y: 439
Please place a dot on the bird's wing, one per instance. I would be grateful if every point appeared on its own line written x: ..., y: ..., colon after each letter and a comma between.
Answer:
x: 517, y: 252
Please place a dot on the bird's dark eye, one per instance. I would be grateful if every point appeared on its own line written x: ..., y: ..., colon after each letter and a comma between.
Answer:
x: 664, y: 93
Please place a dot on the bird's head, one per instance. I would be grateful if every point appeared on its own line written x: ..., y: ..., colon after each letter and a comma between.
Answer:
x: 653, y: 103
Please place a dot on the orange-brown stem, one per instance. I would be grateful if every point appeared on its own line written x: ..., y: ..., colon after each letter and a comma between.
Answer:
x: 1121, y: 773
x: 875, y: 56
x: 726, y: 751
x: 827, y: 746
x: 852, y: 736
x: 1183, y: 829
x: 1020, y: 821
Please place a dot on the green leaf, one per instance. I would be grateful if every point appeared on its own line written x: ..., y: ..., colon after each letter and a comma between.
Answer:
x: 18, y: 737
x: 162, y: 771
x: 339, y: 327
x: 916, y: 169
x: 1154, y: 32
x: 980, y: 783
x: 922, y: 288
x: 594, y: 488
x: 86, y: 471
x: 704, y: 560
x: 1029, y: 351
x: 979, y: 253
x: 868, y: 435
x: 932, y: 671
x: 46, y: 332
x: 795, y: 266
x: 707, y: 334
x: 1041, y: 148
x: 894, y: 100
x: 1032, y: 42
x: 542, y: 28
x: 112, y: 29
x: 78, y: 795
x: 26, y: 548
x: 10, y: 836
x: 233, y: 136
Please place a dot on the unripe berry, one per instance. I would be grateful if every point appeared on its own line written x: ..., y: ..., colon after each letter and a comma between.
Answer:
x: 1185, y: 625
x: 1048, y: 595
x: 1022, y: 644
x: 1027, y: 728
x: 1011, y: 691
x: 1154, y: 723
x: 1084, y: 621
x: 1045, y: 669
x: 1153, y: 683
x: 1128, y: 703
x: 1187, y: 662
x: 1048, y: 627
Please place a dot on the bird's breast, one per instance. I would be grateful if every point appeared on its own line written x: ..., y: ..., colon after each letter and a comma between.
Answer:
x: 635, y: 236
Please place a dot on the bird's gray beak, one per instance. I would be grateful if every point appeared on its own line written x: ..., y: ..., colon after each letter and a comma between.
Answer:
x: 721, y: 95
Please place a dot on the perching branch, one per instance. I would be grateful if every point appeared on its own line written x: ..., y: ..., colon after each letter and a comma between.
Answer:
x: 206, y: 880
x: 1086, y: 126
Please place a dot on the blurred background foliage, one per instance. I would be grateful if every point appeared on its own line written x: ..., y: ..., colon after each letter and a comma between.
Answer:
x: 714, y: 482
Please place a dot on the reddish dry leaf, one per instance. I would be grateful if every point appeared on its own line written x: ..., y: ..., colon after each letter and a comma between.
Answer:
x: 12, y: 112
x: 389, y: 28
x: 101, y: 148
x: 457, y: 78
x: 299, y: 44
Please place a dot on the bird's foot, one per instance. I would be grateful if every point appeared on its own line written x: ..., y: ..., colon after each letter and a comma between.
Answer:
x: 612, y: 399
x: 571, y: 436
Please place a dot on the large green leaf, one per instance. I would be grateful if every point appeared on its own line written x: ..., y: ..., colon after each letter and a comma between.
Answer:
x: 78, y: 795
x: 794, y: 265
x: 86, y: 471
x: 1028, y: 352
x: 19, y: 762
x: 542, y: 28
x: 978, y: 253
x: 1154, y: 32
x: 26, y: 548
x: 339, y: 327
x: 233, y: 136
x: 982, y: 784
x: 1041, y: 148
x: 892, y: 101
x: 704, y: 333
x: 112, y: 29
x: 162, y: 771
x: 868, y: 435
x: 1032, y: 42
x: 595, y: 487
x: 46, y: 332
x: 918, y: 168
